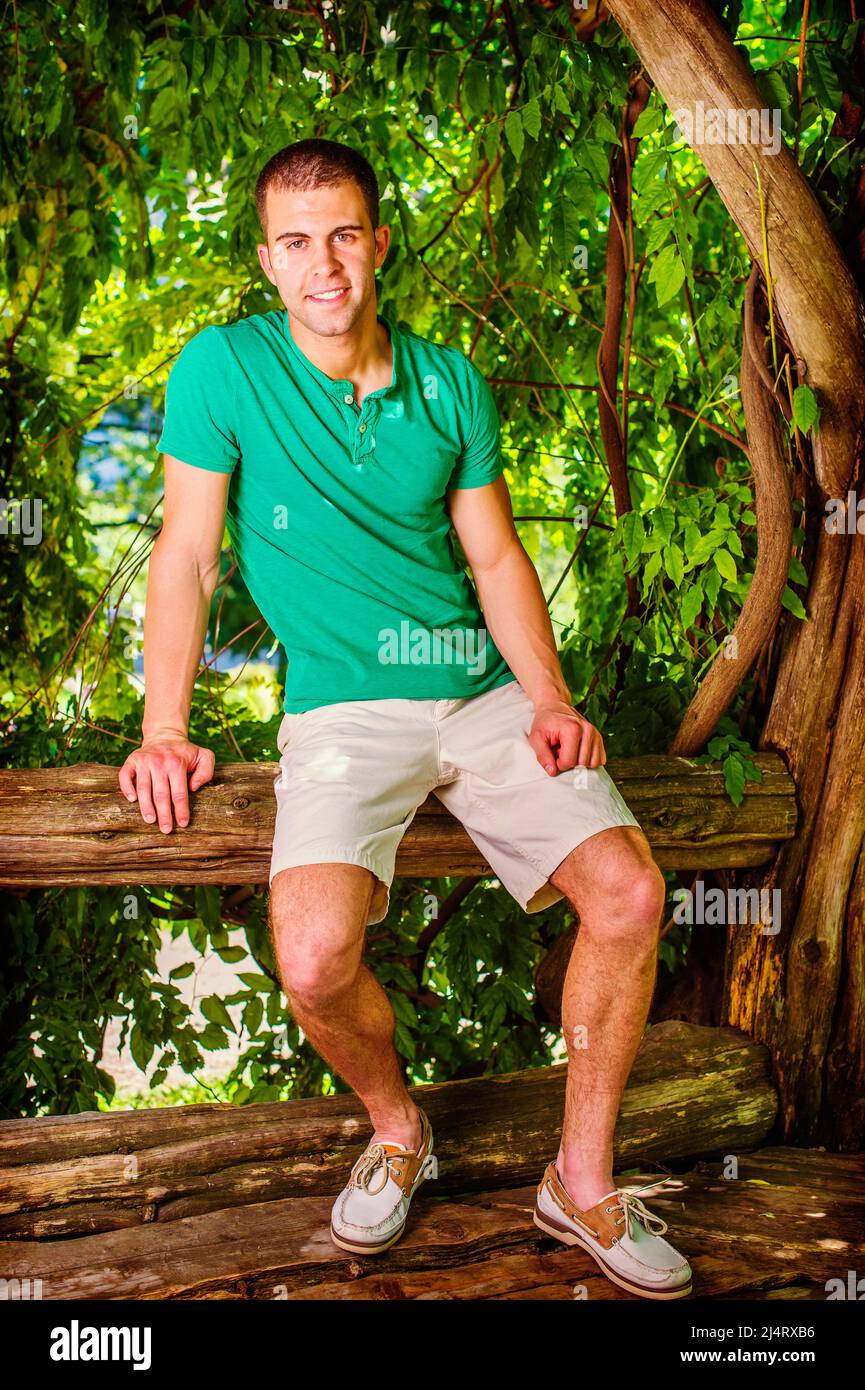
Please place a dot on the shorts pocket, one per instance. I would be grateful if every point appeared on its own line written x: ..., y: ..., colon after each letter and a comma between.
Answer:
x: 286, y: 729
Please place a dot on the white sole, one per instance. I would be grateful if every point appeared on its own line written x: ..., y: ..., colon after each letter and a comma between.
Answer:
x: 365, y: 1249
x: 571, y: 1238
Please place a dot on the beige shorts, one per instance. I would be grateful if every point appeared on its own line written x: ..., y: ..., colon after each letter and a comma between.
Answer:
x: 353, y: 774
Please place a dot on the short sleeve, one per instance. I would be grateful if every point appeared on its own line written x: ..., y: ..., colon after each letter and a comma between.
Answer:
x: 481, y: 459
x: 198, y: 427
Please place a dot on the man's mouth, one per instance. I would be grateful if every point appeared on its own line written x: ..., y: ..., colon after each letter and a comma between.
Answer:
x: 329, y: 296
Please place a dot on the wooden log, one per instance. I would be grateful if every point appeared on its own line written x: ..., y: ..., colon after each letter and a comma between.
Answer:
x: 692, y: 1091
x: 72, y: 825
x: 752, y: 1233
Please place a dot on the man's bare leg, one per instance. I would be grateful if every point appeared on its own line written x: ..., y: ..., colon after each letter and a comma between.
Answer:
x: 618, y: 892
x: 317, y: 916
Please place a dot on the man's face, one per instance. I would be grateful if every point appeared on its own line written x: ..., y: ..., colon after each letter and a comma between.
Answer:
x: 322, y: 254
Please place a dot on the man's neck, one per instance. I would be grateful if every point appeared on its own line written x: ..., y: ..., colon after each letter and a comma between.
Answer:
x: 364, y: 356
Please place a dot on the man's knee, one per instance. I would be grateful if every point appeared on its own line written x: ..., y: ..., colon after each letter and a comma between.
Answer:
x: 647, y: 892
x: 618, y: 891
x: 317, y: 942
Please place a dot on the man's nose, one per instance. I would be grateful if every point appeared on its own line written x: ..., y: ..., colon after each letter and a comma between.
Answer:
x: 326, y: 261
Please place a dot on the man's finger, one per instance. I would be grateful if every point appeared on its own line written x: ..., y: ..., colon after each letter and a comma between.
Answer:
x: 589, y: 751
x: 541, y: 747
x: 162, y: 799
x: 126, y: 779
x: 204, y: 769
x: 569, y: 745
x: 179, y: 794
x: 145, y: 799
x: 597, y: 750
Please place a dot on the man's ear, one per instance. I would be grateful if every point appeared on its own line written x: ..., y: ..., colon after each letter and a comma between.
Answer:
x: 382, y: 242
x: 264, y: 262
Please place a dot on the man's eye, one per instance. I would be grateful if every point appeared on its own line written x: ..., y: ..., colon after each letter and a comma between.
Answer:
x: 346, y: 235
x: 295, y: 243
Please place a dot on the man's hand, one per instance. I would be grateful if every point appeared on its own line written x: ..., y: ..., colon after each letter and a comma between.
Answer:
x: 562, y: 738
x: 155, y: 774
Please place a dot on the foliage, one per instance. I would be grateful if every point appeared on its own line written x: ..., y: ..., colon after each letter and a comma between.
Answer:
x: 131, y: 138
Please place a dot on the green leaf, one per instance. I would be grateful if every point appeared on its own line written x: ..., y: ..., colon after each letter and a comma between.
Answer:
x: 239, y: 62
x: 565, y: 229
x: 692, y: 540
x: 711, y: 588
x: 180, y: 972
x: 208, y: 905
x: 404, y: 1042
x: 690, y: 604
x: 596, y: 159
x: 725, y: 565
x: 659, y: 230
x: 475, y: 89
x: 560, y: 100
x: 651, y: 570
x: 252, y: 1016
x: 674, y: 564
x: 806, y: 411
x: 514, y: 133
x: 262, y: 983
x: 163, y: 108
x: 797, y: 571
x: 734, y: 778
x: 605, y: 130
x: 141, y: 1047
x: 531, y: 114
x: 216, y: 63
x: 212, y: 1038
x: 667, y: 274
x: 793, y: 603
x: 823, y: 78
x: 735, y: 544
x: 647, y: 121
x: 663, y: 522
x: 447, y: 76
x: 633, y: 536
x: 214, y: 1011
x: 231, y: 954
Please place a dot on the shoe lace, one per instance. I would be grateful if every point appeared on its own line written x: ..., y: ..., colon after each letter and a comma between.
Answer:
x: 375, y: 1157
x: 632, y: 1207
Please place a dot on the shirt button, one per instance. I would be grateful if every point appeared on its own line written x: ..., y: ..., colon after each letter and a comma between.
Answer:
x: 361, y: 428
x: 349, y: 400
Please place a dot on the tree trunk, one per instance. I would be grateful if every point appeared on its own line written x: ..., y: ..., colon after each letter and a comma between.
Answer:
x: 67, y: 825
x: 799, y: 990
x: 692, y: 1091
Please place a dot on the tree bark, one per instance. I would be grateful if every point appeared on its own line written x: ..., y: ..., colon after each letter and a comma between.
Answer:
x: 692, y: 1091
x: 691, y: 57
x: 621, y: 163
x: 762, y: 607
x: 799, y: 990
x: 69, y: 825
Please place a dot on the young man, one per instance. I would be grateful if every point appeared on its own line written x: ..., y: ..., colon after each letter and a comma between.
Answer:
x: 341, y: 449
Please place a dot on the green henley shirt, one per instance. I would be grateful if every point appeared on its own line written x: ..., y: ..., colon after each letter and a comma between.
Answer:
x: 336, y: 513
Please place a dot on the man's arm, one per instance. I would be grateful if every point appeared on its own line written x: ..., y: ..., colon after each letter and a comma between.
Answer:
x: 182, y: 576
x: 516, y: 614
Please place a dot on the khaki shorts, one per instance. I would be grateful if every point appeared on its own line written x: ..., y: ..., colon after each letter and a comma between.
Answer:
x: 353, y: 774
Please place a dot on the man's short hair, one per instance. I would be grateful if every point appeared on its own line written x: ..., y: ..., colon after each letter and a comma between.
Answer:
x: 313, y: 164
